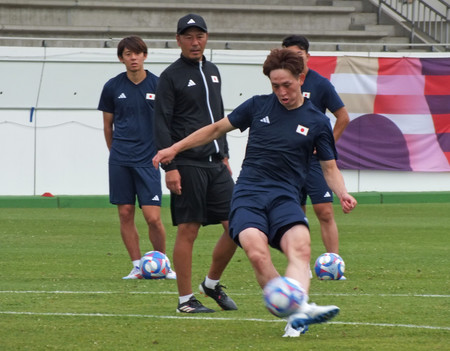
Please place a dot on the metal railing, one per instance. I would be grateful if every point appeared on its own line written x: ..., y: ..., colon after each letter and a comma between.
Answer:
x: 421, y: 18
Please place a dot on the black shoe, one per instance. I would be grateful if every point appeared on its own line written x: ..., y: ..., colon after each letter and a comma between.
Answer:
x: 193, y: 306
x: 219, y: 296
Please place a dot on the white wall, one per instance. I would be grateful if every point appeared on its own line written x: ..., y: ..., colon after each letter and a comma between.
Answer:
x: 62, y: 149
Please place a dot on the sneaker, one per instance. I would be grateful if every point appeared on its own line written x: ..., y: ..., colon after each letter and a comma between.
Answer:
x: 222, y: 299
x: 342, y: 278
x: 193, y: 306
x: 290, y: 332
x: 171, y: 275
x: 134, y: 274
x: 312, y: 314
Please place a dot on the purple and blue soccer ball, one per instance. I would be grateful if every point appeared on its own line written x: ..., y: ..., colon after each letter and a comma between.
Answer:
x: 283, y: 296
x: 329, y: 266
x: 154, y: 265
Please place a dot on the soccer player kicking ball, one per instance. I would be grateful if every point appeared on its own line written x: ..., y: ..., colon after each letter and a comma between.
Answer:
x: 284, y: 129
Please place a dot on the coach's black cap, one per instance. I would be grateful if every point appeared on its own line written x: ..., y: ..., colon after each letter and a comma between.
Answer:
x: 191, y: 20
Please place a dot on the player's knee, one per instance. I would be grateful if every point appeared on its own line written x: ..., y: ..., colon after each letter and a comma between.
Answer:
x: 325, y: 213
x: 126, y: 214
x: 258, y: 259
x: 154, y: 221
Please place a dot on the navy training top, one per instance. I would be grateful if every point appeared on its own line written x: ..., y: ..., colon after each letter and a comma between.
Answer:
x: 132, y: 106
x: 281, y: 142
x: 321, y: 92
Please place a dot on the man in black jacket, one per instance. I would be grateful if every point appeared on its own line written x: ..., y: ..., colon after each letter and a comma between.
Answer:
x: 188, y: 98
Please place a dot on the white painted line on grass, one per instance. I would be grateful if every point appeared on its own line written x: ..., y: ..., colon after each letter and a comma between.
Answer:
x: 231, y: 293
x: 88, y: 292
x: 213, y: 318
x: 382, y: 295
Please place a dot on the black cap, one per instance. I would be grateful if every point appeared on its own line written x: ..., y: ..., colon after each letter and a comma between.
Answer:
x: 191, y: 20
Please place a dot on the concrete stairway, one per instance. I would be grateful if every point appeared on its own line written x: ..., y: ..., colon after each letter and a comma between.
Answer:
x: 234, y: 24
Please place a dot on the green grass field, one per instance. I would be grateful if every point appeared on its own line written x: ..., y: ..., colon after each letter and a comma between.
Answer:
x: 61, y: 286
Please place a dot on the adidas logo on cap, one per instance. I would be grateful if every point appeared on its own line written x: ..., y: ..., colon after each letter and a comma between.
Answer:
x: 191, y: 20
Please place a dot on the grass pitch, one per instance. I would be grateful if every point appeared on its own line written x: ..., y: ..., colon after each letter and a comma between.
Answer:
x: 61, y: 286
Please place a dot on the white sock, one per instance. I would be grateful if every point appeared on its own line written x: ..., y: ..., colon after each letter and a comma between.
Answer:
x: 185, y: 298
x: 136, y: 263
x: 210, y: 283
x: 304, y: 306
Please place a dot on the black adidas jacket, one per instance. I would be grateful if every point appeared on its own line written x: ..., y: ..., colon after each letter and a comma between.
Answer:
x: 183, y: 105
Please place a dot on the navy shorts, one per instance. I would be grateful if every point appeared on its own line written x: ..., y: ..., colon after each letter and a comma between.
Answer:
x: 270, y: 209
x: 205, y: 195
x: 316, y: 186
x: 126, y: 183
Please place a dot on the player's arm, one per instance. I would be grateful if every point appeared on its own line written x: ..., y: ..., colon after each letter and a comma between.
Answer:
x: 201, y: 136
x: 342, y: 120
x: 334, y: 103
x: 335, y: 181
x: 108, y: 119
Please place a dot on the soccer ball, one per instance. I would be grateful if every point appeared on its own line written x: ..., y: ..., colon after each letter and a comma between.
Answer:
x: 329, y: 266
x: 154, y: 265
x: 283, y: 296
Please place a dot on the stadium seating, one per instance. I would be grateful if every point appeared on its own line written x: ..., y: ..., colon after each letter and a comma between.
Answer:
x: 233, y: 24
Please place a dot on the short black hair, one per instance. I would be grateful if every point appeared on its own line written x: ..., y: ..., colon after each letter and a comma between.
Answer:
x: 296, y: 40
x: 133, y: 43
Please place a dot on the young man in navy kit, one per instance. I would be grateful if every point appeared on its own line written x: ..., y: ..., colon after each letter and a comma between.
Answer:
x: 284, y: 129
x: 200, y: 182
x: 322, y: 94
x: 127, y: 102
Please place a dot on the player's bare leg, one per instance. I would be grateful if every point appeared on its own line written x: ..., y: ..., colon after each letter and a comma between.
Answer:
x: 156, y: 230
x: 157, y: 233
x: 222, y: 254
x: 182, y: 256
x: 296, y: 245
x: 255, y: 244
x: 328, y: 226
x: 129, y: 231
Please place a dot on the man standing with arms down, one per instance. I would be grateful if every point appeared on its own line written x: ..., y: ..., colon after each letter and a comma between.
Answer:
x: 200, y: 182
x: 322, y: 94
x: 127, y: 103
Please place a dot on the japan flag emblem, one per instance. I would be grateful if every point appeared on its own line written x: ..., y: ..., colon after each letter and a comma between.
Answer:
x: 302, y: 130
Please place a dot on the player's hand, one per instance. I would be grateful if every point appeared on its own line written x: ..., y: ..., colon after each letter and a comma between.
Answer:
x: 226, y: 163
x: 164, y: 156
x: 348, y: 203
x: 173, y: 181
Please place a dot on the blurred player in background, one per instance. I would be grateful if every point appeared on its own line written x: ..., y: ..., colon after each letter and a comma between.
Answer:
x: 284, y: 130
x: 127, y: 102
x: 323, y: 95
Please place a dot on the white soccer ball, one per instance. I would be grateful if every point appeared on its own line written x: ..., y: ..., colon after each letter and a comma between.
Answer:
x: 329, y: 266
x: 154, y: 265
x: 283, y: 296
